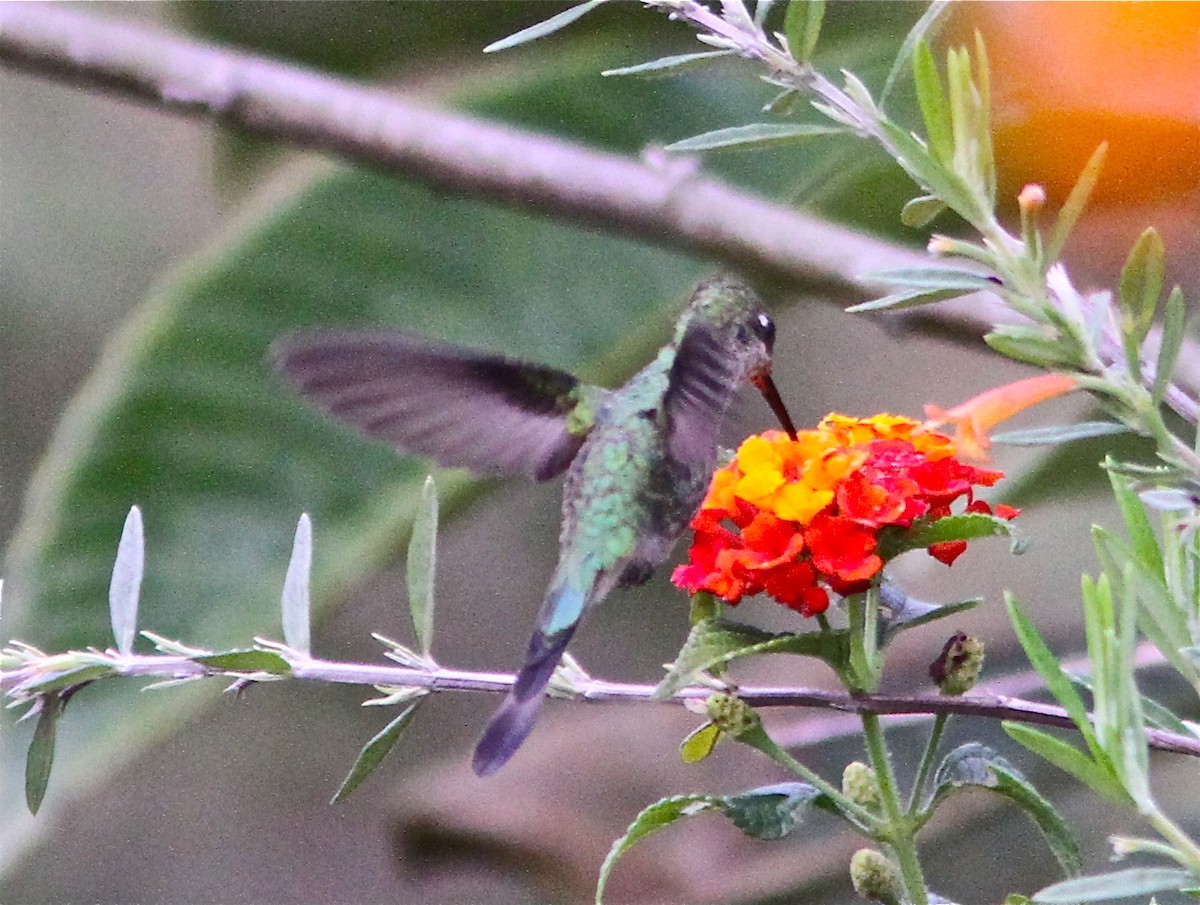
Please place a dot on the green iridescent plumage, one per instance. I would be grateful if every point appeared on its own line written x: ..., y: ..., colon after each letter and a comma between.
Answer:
x: 638, y: 458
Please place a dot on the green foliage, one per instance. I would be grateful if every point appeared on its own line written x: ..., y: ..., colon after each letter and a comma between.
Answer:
x: 126, y: 582
x: 422, y: 563
x: 802, y: 27
x: 1132, y: 883
x: 41, y: 750
x: 295, y: 605
x: 755, y: 136
x: 374, y: 751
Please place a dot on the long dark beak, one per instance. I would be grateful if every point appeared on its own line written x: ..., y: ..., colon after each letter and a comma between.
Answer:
x: 766, y: 386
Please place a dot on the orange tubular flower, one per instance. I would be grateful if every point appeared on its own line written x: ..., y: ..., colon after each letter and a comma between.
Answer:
x: 798, y: 518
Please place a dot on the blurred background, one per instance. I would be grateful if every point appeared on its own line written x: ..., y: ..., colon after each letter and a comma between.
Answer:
x: 148, y: 260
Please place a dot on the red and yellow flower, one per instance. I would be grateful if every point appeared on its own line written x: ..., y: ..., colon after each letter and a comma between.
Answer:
x: 795, y: 518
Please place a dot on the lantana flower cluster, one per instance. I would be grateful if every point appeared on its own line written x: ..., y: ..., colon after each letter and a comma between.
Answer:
x: 798, y: 518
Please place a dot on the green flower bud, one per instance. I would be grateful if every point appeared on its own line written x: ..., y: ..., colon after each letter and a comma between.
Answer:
x: 730, y: 714
x: 957, y: 668
x: 860, y: 785
x: 875, y: 877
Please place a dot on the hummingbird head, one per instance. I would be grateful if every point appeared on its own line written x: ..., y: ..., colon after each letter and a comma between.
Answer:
x: 734, y: 316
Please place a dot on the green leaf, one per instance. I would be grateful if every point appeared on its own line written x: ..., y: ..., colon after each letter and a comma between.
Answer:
x: 967, y: 526
x: 976, y: 766
x: 772, y: 812
x: 1068, y: 759
x: 673, y: 65
x: 715, y: 642
x: 1043, y: 660
x: 247, y: 660
x: 1075, y: 203
x: 1174, y: 323
x: 40, y: 759
x: 916, y: 613
x: 67, y: 678
x: 921, y: 211
x: 1031, y: 345
x: 699, y: 743
x: 1133, y: 882
x: 931, y: 175
x: 422, y: 564
x: 1060, y: 433
x: 295, y: 605
x: 374, y: 751
x: 658, y: 815
x: 1141, y: 285
x: 901, y: 301
x: 802, y: 27
x: 931, y: 278
x: 926, y: 27
x: 1142, y: 539
x: 126, y: 584
x: 1157, y: 715
x: 754, y: 136
x: 547, y: 27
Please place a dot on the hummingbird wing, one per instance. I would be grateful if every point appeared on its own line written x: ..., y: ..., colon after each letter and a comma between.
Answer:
x: 459, y: 407
x: 700, y: 384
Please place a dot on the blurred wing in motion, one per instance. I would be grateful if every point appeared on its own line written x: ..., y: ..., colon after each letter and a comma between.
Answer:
x: 457, y: 406
x: 702, y: 380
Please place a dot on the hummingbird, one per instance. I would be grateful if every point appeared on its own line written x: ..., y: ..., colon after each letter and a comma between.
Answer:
x: 638, y: 459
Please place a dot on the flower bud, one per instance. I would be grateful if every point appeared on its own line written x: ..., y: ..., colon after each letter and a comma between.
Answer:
x: 731, y: 714
x: 1031, y: 199
x: 875, y: 877
x: 957, y: 668
x: 860, y: 785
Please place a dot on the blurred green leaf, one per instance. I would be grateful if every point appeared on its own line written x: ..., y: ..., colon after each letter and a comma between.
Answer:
x: 1076, y: 201
x: 1069, y: 759
x: 653, y: 818
x: 802, y: 27
x: 1030, y: 345
x: 915, y: 47
x: 374, y: 752
x: 976, y: 766
x: 546, y: 27
x: 968, y: 526
x: 248, y: 660
x: 772, y: 812
x: 921, y: 211
x: 126, y: 583
x: 49, y: 683
x: 931, y: 278
x: 422, y: 565
x: 40, y: 759
x: 1060, y: 433
x: 754, y: 136
x: 1173, y: 331
x: 1141, y: 285
x: 1122, y: 884
x: 901, y: 301
x: 1142, y: 539
x: 672, y: 65
x: 715, y: 642
x: 699, y: 743
x: 296, y: 606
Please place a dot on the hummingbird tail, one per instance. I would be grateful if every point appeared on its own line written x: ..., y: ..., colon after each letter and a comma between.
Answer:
x: 513, y: 722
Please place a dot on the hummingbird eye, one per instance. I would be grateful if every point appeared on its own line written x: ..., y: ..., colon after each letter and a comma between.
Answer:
x: 765, y: 328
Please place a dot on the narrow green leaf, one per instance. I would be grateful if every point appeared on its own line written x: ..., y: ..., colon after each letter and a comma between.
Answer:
x: 931, y: 278
x: 1174, y: 322
x: 921, y: 211
x: 699, y: 743
x: 754, y: 136
x: 1122, y: 884
x: 901, y: 301
x: 802, y: 26
x: 41, y: 752
x: 772, y: 812
x: 672, y: 65
x: 715, y: 642
x: 422, y: 565
x: 547, y: 27
x: 931, y: 174
x: 1075, y: 203
x: 919, y: 613
x: 294, y: 603
x: 967, y: 526
x: 658, y: 815
x: 374, y: 751
x: 1142, y: 539
x: 67, y: 678
x: 976, y: 766
x: 1060, y: 433
x: 1042, y: 659
x: 1069, y: 759
x: 125, y: 587
x: 925, y: 27
x: 249, y: 660
x: 1032, y: 346
x: 1141, y: 285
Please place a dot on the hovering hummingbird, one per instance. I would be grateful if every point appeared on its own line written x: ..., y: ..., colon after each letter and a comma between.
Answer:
x: 638, y: 458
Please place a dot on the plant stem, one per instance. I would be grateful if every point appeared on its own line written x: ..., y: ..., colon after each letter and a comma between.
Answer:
x: 899, y: 827
x: 1188, y: 850
x: 926, y: 765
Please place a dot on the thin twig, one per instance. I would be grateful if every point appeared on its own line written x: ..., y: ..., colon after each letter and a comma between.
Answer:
x: 989, y: 706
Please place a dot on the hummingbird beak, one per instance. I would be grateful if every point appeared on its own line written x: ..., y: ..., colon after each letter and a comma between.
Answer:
x: 762, y: 380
